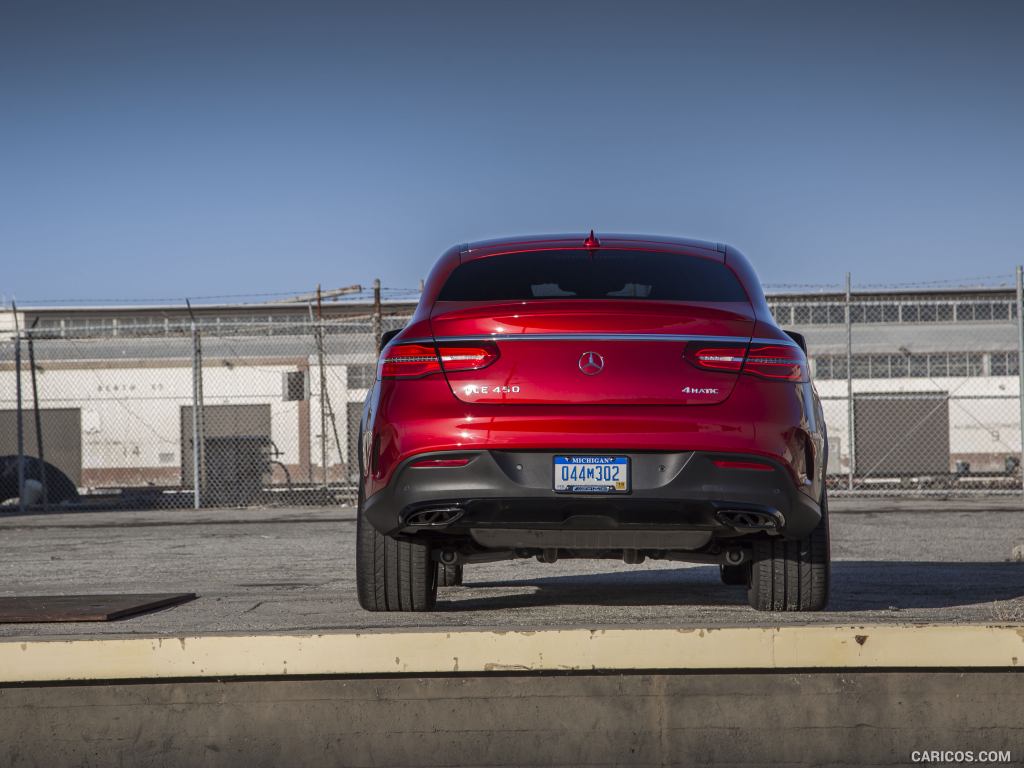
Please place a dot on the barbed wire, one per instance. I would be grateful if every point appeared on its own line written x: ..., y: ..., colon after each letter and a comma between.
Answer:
x: 980, y: 281
x: 365, y: 293
x: 818, y: 287
x: 957, y: 282
x: 155, y: 300
x: 299, y: 296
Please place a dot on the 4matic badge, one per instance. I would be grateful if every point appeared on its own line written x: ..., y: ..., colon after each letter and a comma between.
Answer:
x: 699, y: 390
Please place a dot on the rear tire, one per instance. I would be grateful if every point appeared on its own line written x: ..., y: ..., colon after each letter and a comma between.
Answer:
x: 449, y: 575
x: 735, y: 575
x: 792, y: 575
x: 392, y: 575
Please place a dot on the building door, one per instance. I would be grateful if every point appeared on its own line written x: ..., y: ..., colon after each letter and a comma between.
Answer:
x: 250, y: 423
x: 901, y: 433
x: 62, y: 437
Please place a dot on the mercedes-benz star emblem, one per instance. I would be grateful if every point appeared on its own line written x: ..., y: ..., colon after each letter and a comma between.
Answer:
x: 591, y: 363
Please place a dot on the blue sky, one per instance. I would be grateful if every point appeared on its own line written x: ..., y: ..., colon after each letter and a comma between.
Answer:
x: 152, y: 150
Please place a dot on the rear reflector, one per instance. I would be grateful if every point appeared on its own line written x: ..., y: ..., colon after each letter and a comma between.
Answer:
x: 755, y: 465
x: 780, y: 362
x: 413, y: 361
x: 423, y: 463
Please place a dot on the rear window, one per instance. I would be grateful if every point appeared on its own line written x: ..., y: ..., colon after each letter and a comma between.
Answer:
x: 607, y: 274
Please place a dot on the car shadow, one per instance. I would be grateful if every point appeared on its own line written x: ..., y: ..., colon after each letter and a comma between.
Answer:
x: 870, y: 585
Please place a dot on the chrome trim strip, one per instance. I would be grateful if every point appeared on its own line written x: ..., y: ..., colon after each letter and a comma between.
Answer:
x: 600, y: 337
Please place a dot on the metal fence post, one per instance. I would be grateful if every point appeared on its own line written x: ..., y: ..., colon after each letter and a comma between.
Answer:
x: 377, y: 320
x: 323, y: 385
x: 197, y: 399
x: 20, y: 412
x: 849, y: 384
x: 40, y: 454
x: 1020, y: 363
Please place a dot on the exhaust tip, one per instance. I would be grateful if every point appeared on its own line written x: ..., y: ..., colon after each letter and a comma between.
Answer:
x: 751, y: 520
x: 433, y: 517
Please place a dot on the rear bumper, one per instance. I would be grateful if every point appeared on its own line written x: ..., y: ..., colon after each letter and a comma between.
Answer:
x: 673, y: 494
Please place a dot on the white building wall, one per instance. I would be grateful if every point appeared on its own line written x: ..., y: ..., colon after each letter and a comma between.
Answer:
x: 984, y: 412
x: 131, y: 416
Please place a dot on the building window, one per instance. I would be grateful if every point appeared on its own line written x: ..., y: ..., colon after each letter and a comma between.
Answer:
x: 296, y: 386
x: 918, y: 365
x: 839, y: 367
x: 362, y: 375
x: 783, y: 313
x: 958, y: 364
x: 938, y: 365
x: 879, y: 366
x: 934, y: 365
x: 819, y: 315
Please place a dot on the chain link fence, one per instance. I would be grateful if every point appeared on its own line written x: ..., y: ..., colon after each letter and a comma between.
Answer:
x: 251, y: 411
x: 921, y: 394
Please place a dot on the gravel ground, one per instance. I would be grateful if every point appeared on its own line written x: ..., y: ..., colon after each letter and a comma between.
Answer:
x: 293, y: 570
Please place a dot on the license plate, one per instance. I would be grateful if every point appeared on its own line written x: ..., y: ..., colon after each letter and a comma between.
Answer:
x: 592, y: 474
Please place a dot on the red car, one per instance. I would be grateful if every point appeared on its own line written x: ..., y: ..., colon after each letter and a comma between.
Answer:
x: 572, y: 396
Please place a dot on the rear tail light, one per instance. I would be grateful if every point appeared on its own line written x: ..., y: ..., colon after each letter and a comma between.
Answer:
x: 408, y: 361
x: 413, y: 361
x: 779, y: 362
x: 716, y: 358
x: 470, y: 357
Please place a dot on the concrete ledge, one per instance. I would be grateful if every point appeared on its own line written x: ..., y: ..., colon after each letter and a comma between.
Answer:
x: 727, y: 718
x: 426, y: 653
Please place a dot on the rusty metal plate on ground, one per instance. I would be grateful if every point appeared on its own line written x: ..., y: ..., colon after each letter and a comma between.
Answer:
x: 40, y: 608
